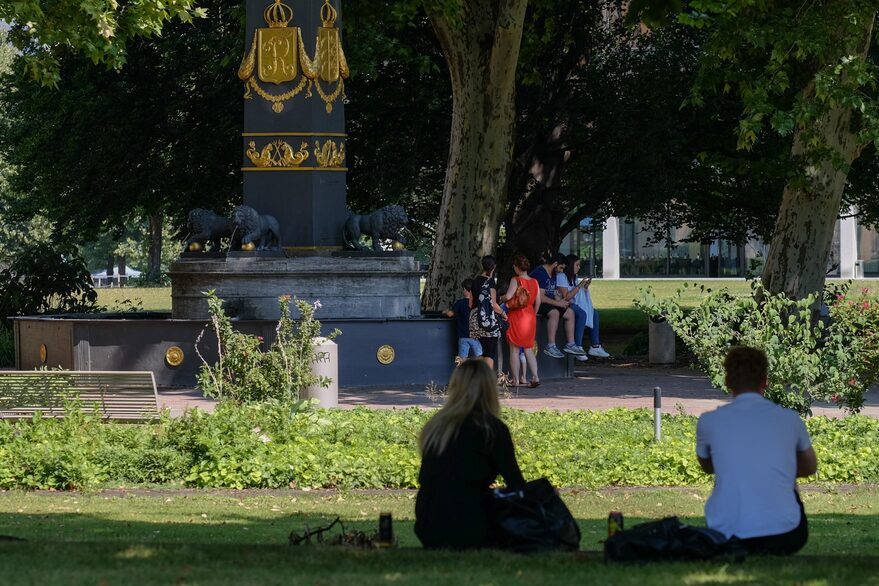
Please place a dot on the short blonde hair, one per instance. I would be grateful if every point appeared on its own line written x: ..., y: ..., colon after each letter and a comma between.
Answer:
x: 472, y: 394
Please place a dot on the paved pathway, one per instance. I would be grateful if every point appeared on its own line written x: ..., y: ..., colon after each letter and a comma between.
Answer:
x: 593, y: 387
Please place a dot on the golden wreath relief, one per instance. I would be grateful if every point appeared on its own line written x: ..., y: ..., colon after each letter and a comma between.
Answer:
x: 385, y: 354
x: 174, y: 356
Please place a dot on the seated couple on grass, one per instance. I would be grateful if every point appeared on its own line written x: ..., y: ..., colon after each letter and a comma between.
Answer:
x: 754, y: 448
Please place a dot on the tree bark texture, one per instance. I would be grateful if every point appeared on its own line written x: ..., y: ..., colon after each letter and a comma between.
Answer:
x: 481, y: 45
x: 796, y: 264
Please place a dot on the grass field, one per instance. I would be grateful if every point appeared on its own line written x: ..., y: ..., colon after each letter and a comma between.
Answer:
x: 184, y: 537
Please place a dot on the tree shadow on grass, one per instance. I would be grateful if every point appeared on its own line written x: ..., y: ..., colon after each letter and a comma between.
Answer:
x: 69, y: 548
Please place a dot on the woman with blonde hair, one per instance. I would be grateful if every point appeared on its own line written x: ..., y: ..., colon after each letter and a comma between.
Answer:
x: 464, y: 447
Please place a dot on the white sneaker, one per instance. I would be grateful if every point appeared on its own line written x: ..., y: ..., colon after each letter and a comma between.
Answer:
x: 573, y: 349
x: 582, y: 358
x: 553, y: 350
x: 598, y: 352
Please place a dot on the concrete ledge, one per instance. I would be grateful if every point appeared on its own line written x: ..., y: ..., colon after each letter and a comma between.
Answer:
x: 367, y: 287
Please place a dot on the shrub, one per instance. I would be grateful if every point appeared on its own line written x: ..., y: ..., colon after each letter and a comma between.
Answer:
x: 7, y: 347
x: 833, y: 360
x: 46, y: 278
x: 271, y: 445
x: 244, y: 373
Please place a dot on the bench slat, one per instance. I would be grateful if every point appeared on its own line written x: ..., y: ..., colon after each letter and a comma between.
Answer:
x: 118, y: 395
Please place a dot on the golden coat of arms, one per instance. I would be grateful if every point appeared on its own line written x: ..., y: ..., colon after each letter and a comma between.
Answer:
x: 277, y: 55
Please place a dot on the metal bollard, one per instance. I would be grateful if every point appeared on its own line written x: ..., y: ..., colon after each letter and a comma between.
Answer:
x: 657, y: 414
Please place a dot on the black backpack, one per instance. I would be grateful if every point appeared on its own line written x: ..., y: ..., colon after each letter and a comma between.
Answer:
x: 533, y: 519
x: 669, y: 539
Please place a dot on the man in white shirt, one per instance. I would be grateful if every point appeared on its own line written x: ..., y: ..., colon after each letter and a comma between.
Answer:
x: 756, y: 451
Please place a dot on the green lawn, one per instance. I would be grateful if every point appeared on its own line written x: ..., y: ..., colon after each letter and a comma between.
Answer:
x: 189, y: 537
x: 139, y: 298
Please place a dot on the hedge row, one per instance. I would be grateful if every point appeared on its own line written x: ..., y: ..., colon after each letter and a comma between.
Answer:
x: 276, y: 446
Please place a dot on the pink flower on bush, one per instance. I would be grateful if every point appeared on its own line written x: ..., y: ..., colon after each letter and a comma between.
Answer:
x: 865, y: 305
x: 260, y: 338
x: 835, y: 398
x: 852, y: 382
x: 840, y: 296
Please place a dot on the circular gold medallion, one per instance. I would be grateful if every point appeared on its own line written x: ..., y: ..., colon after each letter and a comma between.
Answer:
x: 44, y: 354
x: 195, y: 247
x: 385, y: 354
x: 174, y: 356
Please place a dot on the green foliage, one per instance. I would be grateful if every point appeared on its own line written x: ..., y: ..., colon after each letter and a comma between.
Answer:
x: 45, y: 278
x: 808, y: 361
x: 7, y: 347
x: 111, y: 148
x: 277, y: 444
x: 97, y: 29
x: 244, y: 373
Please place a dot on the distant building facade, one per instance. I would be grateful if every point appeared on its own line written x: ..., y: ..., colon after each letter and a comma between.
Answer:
x: 622, y: 249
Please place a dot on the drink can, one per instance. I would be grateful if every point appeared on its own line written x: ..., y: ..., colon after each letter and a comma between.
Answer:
x: 614, y: 523
x: 385, y: 529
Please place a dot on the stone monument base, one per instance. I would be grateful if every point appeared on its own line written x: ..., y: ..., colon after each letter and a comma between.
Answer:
x: 377, y: 286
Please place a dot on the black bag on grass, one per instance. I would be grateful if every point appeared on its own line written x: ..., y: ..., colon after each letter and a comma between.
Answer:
x: 534, y: 519
x: 669, y: 539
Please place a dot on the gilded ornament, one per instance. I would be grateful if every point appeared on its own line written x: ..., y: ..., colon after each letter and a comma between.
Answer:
x: 329, y: 58
x: 174, y: 356
x: 44, y: 354
x: 195, y: 247
x: 385, y: 354
x: 276, y: 54
x: 277, y: 154
x: 248, y: 247
x: 330, y: 154
x: 398, y: 246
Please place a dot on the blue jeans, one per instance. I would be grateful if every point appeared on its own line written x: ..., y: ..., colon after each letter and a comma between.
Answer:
x: 580, y: 326
x: 465, y: 345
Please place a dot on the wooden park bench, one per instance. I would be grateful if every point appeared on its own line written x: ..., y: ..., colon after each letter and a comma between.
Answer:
x: 127, y: 396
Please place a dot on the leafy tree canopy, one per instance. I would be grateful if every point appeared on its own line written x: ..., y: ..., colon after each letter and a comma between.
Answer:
x: 100, y: 30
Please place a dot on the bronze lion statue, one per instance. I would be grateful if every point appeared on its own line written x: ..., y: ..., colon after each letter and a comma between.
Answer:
x: 206, y: 226
x: 383, y: 223
x: 251, y: 226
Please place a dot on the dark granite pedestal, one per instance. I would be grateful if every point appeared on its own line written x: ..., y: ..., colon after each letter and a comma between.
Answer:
x: 376, y: 286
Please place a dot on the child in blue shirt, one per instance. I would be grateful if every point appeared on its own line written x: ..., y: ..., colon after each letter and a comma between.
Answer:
x: 461, y: 312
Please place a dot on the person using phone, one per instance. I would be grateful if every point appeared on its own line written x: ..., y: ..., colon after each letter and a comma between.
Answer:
x: 585, y: 314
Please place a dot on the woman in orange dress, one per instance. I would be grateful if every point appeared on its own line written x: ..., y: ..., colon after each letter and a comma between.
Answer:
x: 523, y: 323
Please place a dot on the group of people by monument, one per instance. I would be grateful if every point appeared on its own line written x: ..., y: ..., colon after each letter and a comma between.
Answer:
x: 552, y: 290
x: 754, y: 448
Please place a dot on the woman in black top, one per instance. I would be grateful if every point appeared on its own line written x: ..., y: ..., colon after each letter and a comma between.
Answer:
x: 463, y: 449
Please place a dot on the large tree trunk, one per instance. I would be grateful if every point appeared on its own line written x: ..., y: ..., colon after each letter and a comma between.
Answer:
x: 481, y: 44
x: 154, y: 270
x: 800, y: 247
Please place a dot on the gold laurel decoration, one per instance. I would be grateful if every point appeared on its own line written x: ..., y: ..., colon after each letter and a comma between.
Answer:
x: 330, y: 154
x: 44, y: 354
x: 174, y: 356
x: 277, y: 154
x: 330, y: 98
x: 385, y: 354
x: 278, y: 100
